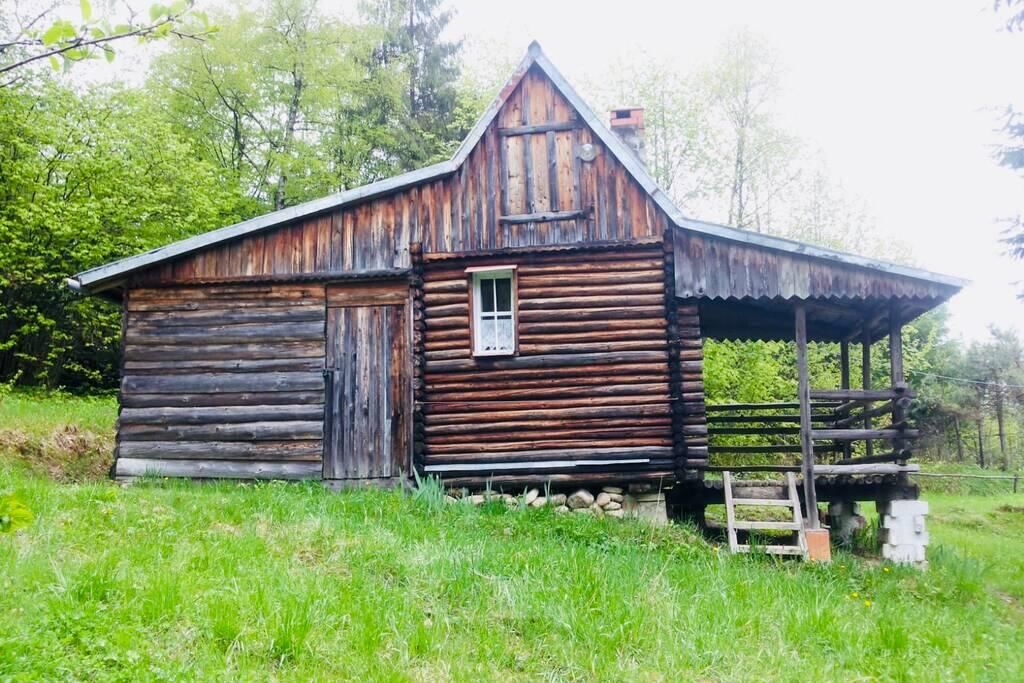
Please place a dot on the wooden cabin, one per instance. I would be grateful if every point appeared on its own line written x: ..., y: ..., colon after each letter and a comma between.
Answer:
x: 532, y: 310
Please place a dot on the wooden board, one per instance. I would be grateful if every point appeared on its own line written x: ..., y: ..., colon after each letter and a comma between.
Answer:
x: 367, y: 419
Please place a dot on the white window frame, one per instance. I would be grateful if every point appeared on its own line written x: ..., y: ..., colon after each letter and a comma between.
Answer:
x: 476, y: 275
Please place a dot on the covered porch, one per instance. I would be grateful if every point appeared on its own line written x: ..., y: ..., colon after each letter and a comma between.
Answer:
x: 841, y: 442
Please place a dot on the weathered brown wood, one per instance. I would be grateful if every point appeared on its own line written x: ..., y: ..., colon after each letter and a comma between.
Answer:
x: 368, y: 294
x: 804, y: 398
x: 539, y: 128
x: 219, y: 414
x: 216, y: 469
x: 858, y: 394
x: 133, y: 400
x: 246, y: 431
x: 227, y: 352
x: 180, y: 367
x: 862, y: 434
x: 217, y: 383
x: 543, y: 216
x: 227, y: 450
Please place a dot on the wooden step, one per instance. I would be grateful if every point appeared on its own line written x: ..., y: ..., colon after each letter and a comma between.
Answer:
x: 772, y: 549
x: 748, y: 525
x: 762, y: 492
x: 776, y: 502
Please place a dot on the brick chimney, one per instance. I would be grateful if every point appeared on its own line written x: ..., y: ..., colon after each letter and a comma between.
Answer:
x: 628, y: 124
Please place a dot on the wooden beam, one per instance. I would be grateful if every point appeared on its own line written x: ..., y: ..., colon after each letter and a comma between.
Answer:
x: 844, y: 381
x: 539, y: 128
x: 544, y: 216
x: 899, y: 412
x: 804, y: 398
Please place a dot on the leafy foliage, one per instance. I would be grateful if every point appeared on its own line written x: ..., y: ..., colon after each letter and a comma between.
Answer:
x: 85, y: 179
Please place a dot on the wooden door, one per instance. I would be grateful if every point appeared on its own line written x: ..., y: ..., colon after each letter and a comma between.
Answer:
x: 369, y: 389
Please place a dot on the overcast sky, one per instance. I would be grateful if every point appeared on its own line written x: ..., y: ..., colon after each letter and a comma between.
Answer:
x: 901, y: 97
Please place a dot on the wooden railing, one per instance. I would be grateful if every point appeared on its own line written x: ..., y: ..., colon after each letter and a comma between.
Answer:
x: 840, y: 420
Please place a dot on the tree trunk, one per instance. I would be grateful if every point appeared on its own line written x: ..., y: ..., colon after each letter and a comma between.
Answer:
x: 1000, y: 421
x: 981, y: 445
x: 289, y: 135
x: 959, y: 439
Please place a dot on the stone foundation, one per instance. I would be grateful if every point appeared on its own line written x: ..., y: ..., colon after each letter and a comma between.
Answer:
x: 610, y: 501
x: 903, y: 534
x: 844, y: 520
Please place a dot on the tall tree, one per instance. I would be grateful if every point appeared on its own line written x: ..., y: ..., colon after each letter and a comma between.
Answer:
x: 412, y: 42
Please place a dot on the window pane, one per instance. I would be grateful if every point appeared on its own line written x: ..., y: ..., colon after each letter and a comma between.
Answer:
x: 487, y: 335
x: 504, y: 291
x: 504, y: 334
x: 486, y: 295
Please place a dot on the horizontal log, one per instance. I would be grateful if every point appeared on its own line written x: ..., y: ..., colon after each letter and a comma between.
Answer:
x: 754, y: 430
x: 562, y: 338
x: 557, y: 454
x: 460, y: 322
x: 592, y: 301
x: 458, y: 284
x: 216, y: 469
x: 859, y: 394
x: 534, y: 349
x: 227, y: 316
x: 447, y: 311
x: 863, y: 434
x: 881, y: 468
x: 655, y: 325
x: 223, y: 450
x: 218, y: 414
x: 228, y: 334
x: 614, y: 312
x: 592, y: 279
x: 444, y: 408
x: 543, y: 216
x: 553, y: 389
x: 597, y: 434
x: 613, y: 373
x: 180, y: 367
x: 574, y: 289
x: 556, y: 361
x: 368, y: 293
x: 243, y: 431
x: 253, y: 351
x: 132, y: 400
x: 521, y: 446
x: 533, y: 424
x: 605, y: 267
x: 716, y: 418
x: 618, y: 411
x: 539, y: 128
x: 228, y: 382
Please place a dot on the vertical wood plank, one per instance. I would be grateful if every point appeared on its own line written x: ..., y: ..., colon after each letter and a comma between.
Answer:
x: 804, y: 398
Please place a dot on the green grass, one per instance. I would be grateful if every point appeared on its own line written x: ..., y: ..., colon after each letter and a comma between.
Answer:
x: 179, y: 581
x: 38, y: 414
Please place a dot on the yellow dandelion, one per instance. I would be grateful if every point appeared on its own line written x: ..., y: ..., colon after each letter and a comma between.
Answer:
x: 885, y: 569
x: 854, y: 594
x: 867, y: 603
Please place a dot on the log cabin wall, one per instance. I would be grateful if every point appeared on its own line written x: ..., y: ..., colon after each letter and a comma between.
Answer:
x: 693, y: 426
x: 223, y: 381
x: 590, y: 380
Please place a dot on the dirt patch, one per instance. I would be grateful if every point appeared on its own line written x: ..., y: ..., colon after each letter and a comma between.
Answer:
x: 67, y: 454
x: 1017, y: 509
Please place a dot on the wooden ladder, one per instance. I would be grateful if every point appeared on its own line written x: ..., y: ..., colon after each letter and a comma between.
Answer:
x: 791, y: 501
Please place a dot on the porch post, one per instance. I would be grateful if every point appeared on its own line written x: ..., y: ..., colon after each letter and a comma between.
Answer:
x: 844, y: 383
x: 865, y: 377
x: 804, y: 397
x: 899, y: 384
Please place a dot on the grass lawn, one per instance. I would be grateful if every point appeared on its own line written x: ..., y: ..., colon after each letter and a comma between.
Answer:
x: 179, y: 581
x: 171, y: 580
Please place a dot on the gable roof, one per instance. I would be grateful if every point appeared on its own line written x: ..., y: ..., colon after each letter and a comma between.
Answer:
x: 109, y: 275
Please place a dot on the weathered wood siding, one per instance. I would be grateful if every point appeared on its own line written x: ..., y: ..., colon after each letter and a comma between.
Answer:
x: 511, y: 173
x: 712, y: 268
x: 590, y: 381
x: 369, y: 403
x: 225, y: 373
